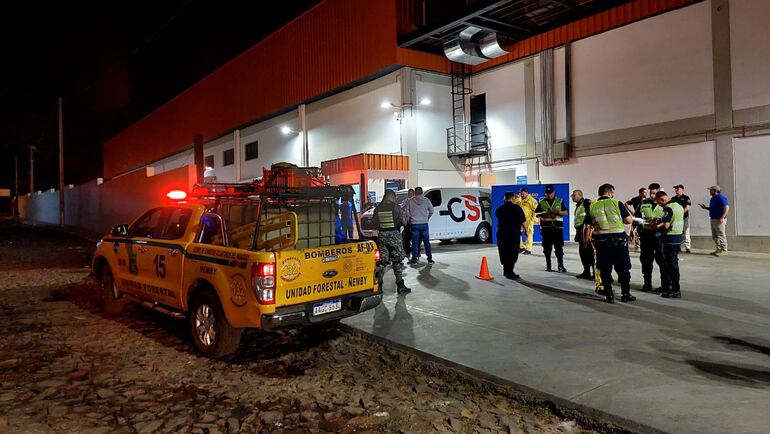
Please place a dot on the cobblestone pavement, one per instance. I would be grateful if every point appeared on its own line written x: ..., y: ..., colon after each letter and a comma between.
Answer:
x: 65, y: 368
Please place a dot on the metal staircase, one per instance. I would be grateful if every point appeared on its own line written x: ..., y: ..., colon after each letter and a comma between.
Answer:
x: 464, y: 139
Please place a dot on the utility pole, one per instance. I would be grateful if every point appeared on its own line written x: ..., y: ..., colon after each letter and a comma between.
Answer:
x: 31, y: 169
x: 16, y: 182
x: 61, y: 165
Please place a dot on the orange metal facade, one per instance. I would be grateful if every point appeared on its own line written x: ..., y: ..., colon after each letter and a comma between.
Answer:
x: 365, y: 162
x: 334, y: 44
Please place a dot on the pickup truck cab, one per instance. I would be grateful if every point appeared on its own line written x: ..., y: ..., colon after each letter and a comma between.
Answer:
x: 250, y: 258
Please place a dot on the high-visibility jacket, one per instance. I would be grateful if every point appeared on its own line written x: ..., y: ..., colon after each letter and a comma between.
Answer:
x: 606, y: 216
x: 556, y: 206
x: 580, y: 213
x: 650, y: 210
x: 677, y: 221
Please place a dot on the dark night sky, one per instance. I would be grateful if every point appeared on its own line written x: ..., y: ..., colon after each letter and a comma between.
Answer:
x: 113, y: 62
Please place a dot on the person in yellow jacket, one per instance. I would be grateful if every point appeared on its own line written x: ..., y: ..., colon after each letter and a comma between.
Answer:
x: 528, y: 204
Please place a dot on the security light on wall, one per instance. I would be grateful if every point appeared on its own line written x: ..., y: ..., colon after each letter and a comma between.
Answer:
x: 388, y: 104
x: 286, y: 131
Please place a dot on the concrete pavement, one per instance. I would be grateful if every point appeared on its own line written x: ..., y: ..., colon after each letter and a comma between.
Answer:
x: 695, y: 365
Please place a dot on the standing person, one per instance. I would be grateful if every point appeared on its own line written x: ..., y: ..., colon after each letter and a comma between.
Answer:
x: 528, y: 204
x: 510, y: 220
x: 672, y: 226
x: 648, y: 240
x: 605, y: 224
x: 582, y: 208
x: 551, y: 210
x: 419, y: 210
x: 389, y: 218
x: 718, y: 209
x: 684, y: 200
x: 632, y: 205
x: 406, y: 235
x: 346, y: 210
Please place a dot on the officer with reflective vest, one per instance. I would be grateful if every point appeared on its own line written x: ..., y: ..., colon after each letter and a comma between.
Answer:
x: 389, y: 217
x: 605, y: 223
x: 582, y: 206
x: 551, y: 210
x: 672, y: 227
x: 650, y: 252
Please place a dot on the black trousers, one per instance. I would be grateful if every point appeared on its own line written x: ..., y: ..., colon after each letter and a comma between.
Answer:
x: 508, y: 249
x: 650, y: 252
x: 670, y: 266
x: 586, y: 252
x: 406, y: 236
x: 612, y: 252
x: 553, y: 239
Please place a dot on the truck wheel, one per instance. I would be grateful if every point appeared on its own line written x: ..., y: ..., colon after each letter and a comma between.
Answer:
x: 483, y: 233
x: 211, y: 333
x: 110, y: 299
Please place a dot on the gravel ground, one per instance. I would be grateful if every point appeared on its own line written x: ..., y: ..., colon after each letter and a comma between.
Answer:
x: 66, y: 368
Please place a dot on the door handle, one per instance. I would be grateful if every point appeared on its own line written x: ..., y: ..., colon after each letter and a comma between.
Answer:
x: 142, y: 249
x: 173, y: 252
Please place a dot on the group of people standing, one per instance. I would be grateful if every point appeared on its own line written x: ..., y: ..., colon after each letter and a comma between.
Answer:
x: 662, y: 223
x: 413, y: 214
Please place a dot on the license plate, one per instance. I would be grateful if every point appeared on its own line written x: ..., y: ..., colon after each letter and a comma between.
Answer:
x: 327, y: 307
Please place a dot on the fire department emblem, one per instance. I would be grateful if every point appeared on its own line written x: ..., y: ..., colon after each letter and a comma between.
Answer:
x: 238, y: 290
x: 290, y: 269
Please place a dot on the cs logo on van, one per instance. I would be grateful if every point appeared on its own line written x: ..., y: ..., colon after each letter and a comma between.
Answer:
x: 476, y: 209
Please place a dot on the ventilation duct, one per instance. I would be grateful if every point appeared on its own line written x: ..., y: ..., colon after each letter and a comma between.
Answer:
x: 473, y: 46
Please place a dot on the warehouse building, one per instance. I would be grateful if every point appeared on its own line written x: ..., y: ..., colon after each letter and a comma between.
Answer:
x: 577, y: 91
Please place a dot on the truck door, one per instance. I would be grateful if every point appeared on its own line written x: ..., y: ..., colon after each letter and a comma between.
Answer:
x: 143, y: 231
x: 167, y: 256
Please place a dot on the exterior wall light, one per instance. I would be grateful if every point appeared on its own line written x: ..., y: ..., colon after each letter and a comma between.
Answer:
x: 286, y: 131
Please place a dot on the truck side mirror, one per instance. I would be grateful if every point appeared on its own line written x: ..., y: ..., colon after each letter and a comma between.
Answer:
x: 119, y: 231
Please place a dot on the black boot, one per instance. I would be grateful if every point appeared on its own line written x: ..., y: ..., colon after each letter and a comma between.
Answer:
x: 586, y: 274
x: 401, y: 287
x: 561, y: 267
x: 674, y: 293
x: 625, y: 295
x: 609, y: 296
x: 548, y: 264
x: 647, y: 287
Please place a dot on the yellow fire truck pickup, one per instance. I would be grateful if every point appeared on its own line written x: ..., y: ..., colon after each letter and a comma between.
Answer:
x: 239, y: 256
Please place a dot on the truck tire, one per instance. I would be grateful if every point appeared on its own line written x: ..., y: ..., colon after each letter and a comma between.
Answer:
x: 483, y: 234
x: 212, y: 335
x: 110, y: 299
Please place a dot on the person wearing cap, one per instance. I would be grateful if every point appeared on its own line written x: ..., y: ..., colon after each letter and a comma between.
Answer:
x: 510, y: 221
x: 605, y: 224
x: 718, y: 208
x: 586, y: 250
x: 649, y: 243
x: 684, y: 200
x: 528, y: 204
x: 551, y: 210
x: 671, y: 226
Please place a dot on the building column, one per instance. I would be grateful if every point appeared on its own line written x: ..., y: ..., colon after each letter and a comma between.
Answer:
x: 723, y: 106
x: 408, y: 123
x: 529, y: 120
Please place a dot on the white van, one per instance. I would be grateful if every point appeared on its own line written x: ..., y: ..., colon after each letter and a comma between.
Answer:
x: 457, y: 213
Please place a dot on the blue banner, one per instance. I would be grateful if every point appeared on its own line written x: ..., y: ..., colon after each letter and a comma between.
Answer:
x: 538, y: 192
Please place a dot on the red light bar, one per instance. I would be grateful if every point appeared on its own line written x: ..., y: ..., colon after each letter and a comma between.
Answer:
x: 176, y: 195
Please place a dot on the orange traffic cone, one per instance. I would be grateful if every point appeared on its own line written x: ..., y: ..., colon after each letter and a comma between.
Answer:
x: 484, y: 271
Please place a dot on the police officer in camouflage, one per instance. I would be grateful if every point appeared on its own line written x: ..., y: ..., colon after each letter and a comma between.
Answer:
x: 389, y: 218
